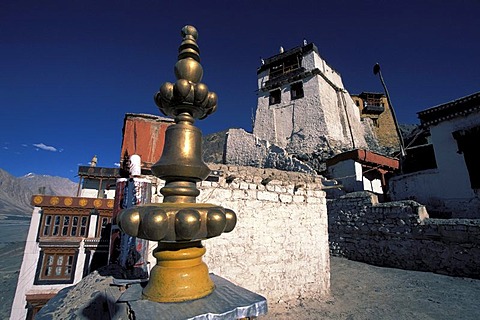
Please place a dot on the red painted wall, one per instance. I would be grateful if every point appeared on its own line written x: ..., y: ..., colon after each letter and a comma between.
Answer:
x: 144, y: 135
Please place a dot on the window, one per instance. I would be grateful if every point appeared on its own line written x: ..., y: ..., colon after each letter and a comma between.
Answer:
x: 104, y: 225
x: 296, y: 90
x: 83, y: 226
x: 285, y: 66
x: 74, y: 226
x: 56, y: 226
x: 46, y: 226
x: 56, y: 266
x: 419, y: 158
x: 35, y: 302
x: 275, y: 97
x: 373, y: 103
x: 65, y: 226
x: 467, y: 141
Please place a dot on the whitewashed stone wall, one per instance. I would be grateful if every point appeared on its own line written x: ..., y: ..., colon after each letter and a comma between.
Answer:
x: 400, y: 235
x: 245, y: 149
x: 279, y: 248
x: 313, y: 60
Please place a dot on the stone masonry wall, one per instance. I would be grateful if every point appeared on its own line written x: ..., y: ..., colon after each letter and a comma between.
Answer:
x: 279, y: 247
x: 400, y: 234
x: 245, y: 149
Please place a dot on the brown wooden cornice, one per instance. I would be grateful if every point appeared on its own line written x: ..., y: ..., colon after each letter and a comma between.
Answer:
x: 44, y: 201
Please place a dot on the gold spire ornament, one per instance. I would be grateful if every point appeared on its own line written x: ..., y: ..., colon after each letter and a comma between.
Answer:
x: 179, y: 224
x: 188, y: 94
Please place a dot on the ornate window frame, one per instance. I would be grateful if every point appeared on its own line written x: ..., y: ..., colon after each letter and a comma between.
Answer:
x: 56, y: 265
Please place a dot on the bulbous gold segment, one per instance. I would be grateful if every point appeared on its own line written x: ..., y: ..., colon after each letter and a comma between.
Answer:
x: 176, y: 221
x: 187, y: 94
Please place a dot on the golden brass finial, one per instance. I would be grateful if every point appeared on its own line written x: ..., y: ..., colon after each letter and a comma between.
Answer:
x: 179, y: 223
x: 188, y: 66
x: 188, y: 94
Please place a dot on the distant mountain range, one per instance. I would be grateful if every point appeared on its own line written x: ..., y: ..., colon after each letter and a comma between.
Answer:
x: 16, y: 193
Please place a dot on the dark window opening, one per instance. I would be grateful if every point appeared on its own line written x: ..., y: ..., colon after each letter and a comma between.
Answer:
x: 99, y: 259
x: 296, y: 90
x: 66, y: 224
x: 285, y: 66
x: 419, y: 158
x: 56, y: 226
x: 83, y: 227
x: 467, y: 141
x: 46, y: 225
x: 103, y: 228
x: 275, y: 97
x: 74, y: 226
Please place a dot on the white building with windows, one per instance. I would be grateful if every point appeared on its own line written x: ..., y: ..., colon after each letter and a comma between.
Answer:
x: 67, y: 239
x: 443, y: 173
x: 304, y: 115
x: 303, y: 105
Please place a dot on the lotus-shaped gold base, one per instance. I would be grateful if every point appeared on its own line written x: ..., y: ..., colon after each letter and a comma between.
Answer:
x: 180, y: 274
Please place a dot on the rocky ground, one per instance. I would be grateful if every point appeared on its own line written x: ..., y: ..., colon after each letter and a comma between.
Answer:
x: 361, y: 291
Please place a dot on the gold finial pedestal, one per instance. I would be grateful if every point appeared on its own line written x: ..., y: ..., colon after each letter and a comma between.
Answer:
x: 179, y: 275
x: 179, y: 224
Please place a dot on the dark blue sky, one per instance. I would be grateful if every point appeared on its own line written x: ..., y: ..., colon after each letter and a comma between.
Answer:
x: 70, y: 70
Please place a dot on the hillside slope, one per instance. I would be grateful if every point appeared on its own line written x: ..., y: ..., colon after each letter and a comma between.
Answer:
x: 15, y: 193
